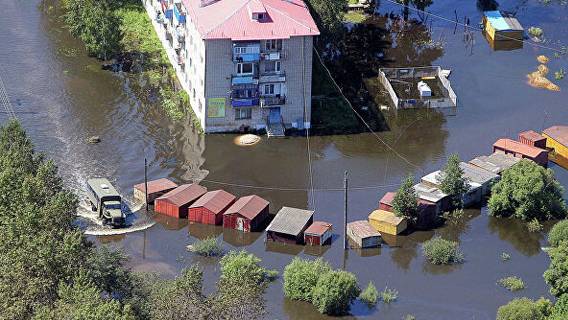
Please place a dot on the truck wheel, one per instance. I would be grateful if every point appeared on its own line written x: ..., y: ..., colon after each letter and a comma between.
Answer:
x: 93, y: 208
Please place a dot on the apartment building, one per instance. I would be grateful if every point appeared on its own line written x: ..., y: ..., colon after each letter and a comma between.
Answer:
x: 246, y: 64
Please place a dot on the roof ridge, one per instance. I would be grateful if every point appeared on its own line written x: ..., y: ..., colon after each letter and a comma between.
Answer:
x: 226, y: 19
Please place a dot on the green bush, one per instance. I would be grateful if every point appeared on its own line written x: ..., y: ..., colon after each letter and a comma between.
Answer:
x: 527, y: 191
x: 536, y: 32
x: 558, y: 233
x: 556, y: 276
x: 301, y: 277
x: 525, y: 309
x: 441, y: 251
x: 534, y: 225
x: 389, y: 295
x: 243, y: 265
x: 511, y: 283
x: 334, y: 292
x: 560, y: 309
x: 405, y: 203
x: 209, y: 247
x: 452, y: 181
x: 370, y: 295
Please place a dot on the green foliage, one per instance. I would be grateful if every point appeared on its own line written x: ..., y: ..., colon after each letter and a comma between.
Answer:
x: 328, y: 15
x: 208, y: 247
x: 239, y: 265
x: 560, y: 74
x: 334, y: 292
x: 405, y: 203
x: 441, y: 251
x: 535, y: 32
x: 556, y: 276
x: 558, y: 233
x: 354, y: 17
x: 511, y: 283
x: 534, y: 225
x: 527, y: 191
x: 301, y: 277
x: 370, y: 295
x: 389, y: 295
x: 452, y: 181
x: 560, y: 309
x: 525, y: 309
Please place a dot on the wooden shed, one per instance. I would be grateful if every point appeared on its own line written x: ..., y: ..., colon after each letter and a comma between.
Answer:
x: 156, y: 188
x: 318, y: 233
x: 532, y: 138
x: 210, y: 207
x: 289, y: 225
x: 500, y: 25
x: 176, y: 202
x: 246, y: 214
x: 386, y: 201
x: 363, y: 234
x: 557, y: 140
x: 519, y: 150
x: 387, y: 222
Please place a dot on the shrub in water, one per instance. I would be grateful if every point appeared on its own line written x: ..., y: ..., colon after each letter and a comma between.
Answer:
x: 240, y: 265
x: 208, y: 247
x: 389, y: 295
x: 301, y: 277
x: 370, y: 295
x: 441, y: 251
x: 505, y: 256
x: 535, y: 32
x: 560, y: 309
x: 558, y: 233
x: 525, y: 309
x: 556, y: 276
x: 534, y: 225
x: 511, y: 283
x: 334, y: 292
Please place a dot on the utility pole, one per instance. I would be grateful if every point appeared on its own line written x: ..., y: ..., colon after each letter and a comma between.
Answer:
x: 146, y: 182
x: 345, y: 186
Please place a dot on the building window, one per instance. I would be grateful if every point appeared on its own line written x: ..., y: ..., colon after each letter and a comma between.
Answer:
x: 200, y: 106
x: 272, y: 66
x: 244, y: 68
x: 243, y: 113
x: 269, y: 88
x: 274, y: 44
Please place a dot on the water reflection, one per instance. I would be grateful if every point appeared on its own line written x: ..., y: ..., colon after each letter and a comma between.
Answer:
x: 284, y: 248
x: 516, y: 233
x: 204, y: 231
x: 240, y: 239
x: 170, y: 223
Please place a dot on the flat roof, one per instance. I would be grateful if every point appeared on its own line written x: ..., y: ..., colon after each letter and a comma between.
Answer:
x: 428, y: 193
x: 502, y: 22
x: 517, y: 147
x: 102, y: 187
x: 495, y: 162
x: 558, y: 133
x: 477, y: 174
x: 531, y: 135
x: 290, y: 221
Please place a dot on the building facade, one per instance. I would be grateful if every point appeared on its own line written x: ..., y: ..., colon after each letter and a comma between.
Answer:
x: 246, y: 64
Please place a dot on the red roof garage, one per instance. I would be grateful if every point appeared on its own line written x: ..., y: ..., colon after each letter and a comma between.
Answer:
x: 247, y: 214
x: 210, y: 207
x: 156, y: 188
x: 318, y: 234
x: 176, y: 202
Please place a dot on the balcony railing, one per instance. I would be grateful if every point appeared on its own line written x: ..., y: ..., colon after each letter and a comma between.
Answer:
x: 244, y: 102
x: 272, y: 100
x: 272, y: 55
x: 244, y: 79
x: 273, y: 76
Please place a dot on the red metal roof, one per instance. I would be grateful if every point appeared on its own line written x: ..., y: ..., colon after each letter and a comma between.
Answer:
x: 248, y: 207
x: 531, y: 135
x: 232, y: 19
x: 215, y: 201
x: 184, y: 194
x: 517, y: 147
x: 558, y: 133
x: 388, y: 198
x: 318, y: 228
x: 157, y: 185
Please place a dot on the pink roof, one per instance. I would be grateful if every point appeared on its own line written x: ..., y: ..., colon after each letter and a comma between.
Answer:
x: 215, y: 201
x: 388, y: 198
x: 318, y: 228
x: 249, y: 206
x: 159, y: 185
x: 232, y: 19
x: 183, y: 194
x: 517, y: 147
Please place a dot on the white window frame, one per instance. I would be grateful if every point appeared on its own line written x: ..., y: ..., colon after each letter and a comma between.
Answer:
x: 243, y: 113
x: 240, y: 68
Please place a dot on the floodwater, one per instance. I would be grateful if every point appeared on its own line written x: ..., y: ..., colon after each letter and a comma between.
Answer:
x: 62, y: 97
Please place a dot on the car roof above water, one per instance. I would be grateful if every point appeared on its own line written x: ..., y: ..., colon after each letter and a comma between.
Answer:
x: 102, y: 187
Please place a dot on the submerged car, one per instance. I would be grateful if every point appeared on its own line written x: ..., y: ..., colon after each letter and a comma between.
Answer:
x: 105, y: 200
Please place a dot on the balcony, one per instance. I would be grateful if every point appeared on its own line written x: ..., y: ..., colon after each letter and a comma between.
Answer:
x: 244, y: 102
x: 179, y: 14
x: 246, y: 57
x: 272, y: 100
x: 180, y: 34
x: 244, y: 79
x: 272, y: 55
x: 246, y: 52
x: 275, y: 76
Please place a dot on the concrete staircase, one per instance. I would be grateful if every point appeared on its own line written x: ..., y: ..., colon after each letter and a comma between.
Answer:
x: 275, y: 130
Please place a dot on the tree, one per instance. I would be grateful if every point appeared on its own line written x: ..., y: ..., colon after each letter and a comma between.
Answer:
x: 556, y: 276
x: 525, y: 309
x: 441, y: 251
x: 328, y: 14
x: 301, y: 277
x: 560, y: 309
x: 452, y: 181
x: 527, y: 191
x: 558, y: 233
x: 335, y: 291
x: 405, y: 203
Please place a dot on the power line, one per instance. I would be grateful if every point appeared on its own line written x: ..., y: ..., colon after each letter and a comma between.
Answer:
x: 362, y: 119
x: 472, y: 27
x: 5, y: 100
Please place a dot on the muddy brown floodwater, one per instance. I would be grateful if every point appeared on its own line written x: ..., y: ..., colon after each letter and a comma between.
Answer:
x: 62, y: 97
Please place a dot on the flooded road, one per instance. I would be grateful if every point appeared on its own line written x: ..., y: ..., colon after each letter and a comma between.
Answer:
x: 63, y: 97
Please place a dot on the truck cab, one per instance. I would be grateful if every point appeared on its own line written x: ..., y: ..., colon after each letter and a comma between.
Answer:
x: 106, y: 201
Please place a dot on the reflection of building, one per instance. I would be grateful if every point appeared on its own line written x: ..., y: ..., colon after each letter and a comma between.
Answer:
x: 204, y: 231
x: 240, y: 239
x: 244, y: 63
